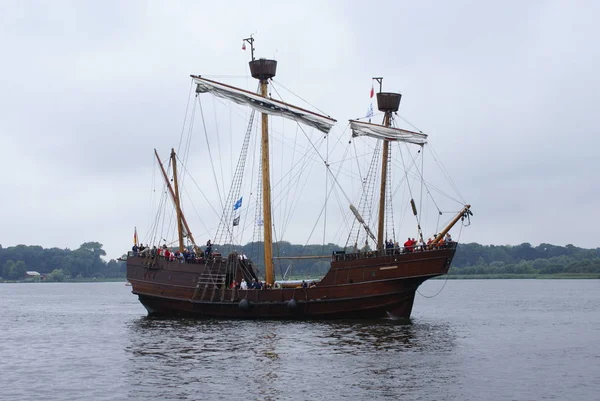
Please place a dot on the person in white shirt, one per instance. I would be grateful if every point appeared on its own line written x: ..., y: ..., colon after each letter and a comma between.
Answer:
x: 244, y: 285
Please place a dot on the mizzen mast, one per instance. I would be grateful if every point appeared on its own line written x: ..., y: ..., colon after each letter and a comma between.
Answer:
x: 389, y: 103
x: 263, y: 70
x: 181, y: 221
x: 177, y: 201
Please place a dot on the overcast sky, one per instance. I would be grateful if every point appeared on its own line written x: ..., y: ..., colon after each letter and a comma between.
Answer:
x: 508, y: 92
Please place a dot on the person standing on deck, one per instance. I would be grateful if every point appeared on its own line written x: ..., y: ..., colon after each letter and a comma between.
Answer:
x: 208, y: 250
x: 408, y: 245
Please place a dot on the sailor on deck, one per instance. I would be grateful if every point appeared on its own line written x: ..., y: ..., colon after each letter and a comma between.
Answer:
x: 208, y: 250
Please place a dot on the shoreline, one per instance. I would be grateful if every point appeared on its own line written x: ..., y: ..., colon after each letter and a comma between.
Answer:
x: 509, y: 276
x: 506, y: 276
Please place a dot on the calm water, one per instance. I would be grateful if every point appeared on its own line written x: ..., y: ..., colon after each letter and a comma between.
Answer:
x: 476, y: 340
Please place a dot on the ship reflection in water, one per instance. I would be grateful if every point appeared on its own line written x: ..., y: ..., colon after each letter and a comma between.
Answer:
x: 189, y: 359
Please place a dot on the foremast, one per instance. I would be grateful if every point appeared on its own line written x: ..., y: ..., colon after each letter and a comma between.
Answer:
x: 388, y: 103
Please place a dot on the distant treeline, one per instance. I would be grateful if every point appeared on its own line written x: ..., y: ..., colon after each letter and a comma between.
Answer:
x: 471, y: 259
x: 524, y: 259
x: 58, y: 264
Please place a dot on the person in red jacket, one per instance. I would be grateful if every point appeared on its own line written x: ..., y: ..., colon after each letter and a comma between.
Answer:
x: 408, y: 245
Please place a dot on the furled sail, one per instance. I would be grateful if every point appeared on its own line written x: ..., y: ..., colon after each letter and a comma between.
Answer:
x: 264, y: 105
x: 360, y: 128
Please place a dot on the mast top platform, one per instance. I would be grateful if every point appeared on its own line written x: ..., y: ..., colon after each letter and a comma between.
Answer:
x: 263, y: 69
x: 388, y: 101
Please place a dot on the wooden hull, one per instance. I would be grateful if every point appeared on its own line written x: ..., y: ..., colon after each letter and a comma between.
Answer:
x: 356, y: 286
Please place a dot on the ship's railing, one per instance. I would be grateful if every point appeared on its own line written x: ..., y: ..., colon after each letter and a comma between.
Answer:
x: 342, y: 255
x: 214, y: 258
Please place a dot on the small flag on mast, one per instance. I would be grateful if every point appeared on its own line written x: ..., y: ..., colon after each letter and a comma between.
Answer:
x: 243, y: 45
x: 236, y: 221
x: 372, y: 92
x: 135, y: 237
x: 370, y: 112
x: 238, y: 204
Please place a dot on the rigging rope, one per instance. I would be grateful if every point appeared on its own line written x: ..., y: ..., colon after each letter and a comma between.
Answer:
x: 439, y: 163
x: 287, y: 210
x: 210, y: 152
x: 437, y: 293
x: 305, y: 159
x: 218, y: 144
x: 201, y: 192
x: 196, y: 211
x: 324, y: 206
x: 187, y: 150
x: 447, y: 275
x: 253, y: 146
x: 280, y: 98
x: 152, y: 200
x: 232, y: 211
x: 295, y: 180
x: 368, y: 192
x: 186, y: 113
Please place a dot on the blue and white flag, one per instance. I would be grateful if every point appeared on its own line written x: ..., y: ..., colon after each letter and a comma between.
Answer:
x: 370, y: 111
x: 238, y: 204
x: 259, y: 222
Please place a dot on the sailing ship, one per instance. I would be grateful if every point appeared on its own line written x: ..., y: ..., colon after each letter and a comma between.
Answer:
x: 359, y: 283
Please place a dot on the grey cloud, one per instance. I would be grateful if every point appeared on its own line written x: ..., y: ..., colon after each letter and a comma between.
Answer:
x: 507, y: 92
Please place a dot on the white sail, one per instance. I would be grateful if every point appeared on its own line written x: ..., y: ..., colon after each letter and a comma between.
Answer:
x: 360, y: 128
x: 264, y: 105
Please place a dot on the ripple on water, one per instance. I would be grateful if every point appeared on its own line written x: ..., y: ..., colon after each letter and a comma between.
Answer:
x: 477, y: 340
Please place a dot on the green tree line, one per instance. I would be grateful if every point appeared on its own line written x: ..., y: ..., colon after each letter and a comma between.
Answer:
x: 58, y: 264
x: 87, y: 262
x: 545, y: 258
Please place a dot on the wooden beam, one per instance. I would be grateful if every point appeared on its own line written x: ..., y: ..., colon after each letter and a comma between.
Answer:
x: 266, y: 192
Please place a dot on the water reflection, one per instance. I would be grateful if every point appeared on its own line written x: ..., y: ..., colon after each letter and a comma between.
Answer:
x: 186, y: 358
x: 372, y: 336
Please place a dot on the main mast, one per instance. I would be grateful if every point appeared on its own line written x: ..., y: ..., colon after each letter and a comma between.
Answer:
x: 388, y: 103
x: 263, y: 70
